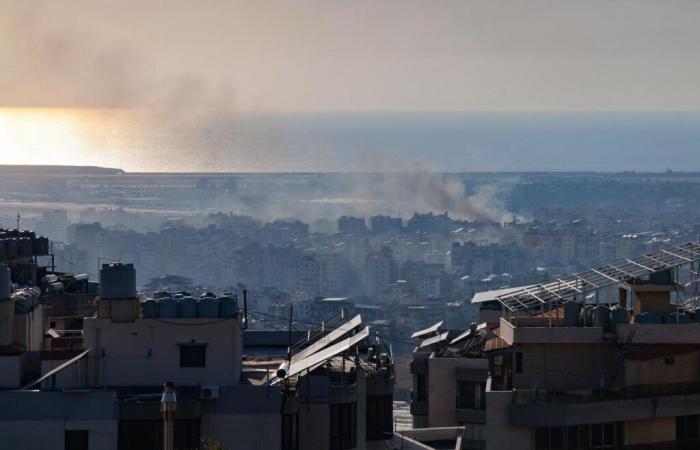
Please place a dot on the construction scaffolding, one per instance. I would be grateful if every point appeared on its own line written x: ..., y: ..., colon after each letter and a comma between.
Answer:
x: 577, y: 286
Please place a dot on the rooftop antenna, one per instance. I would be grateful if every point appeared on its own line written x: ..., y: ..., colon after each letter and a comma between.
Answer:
x: 289, y: 335
x: 245, y: 309
x: 18, y: 218
x: 283, y: 369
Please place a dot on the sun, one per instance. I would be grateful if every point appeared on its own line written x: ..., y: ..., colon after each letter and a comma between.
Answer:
x: 41, y: 136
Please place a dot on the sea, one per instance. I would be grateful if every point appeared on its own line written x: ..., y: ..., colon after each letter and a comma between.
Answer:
x: 229, y: 141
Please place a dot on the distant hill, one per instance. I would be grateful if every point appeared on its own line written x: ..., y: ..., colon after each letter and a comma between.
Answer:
x: 57, y: 170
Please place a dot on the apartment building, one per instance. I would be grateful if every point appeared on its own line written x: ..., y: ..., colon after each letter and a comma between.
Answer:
x: 603, y: 359
x: 449, y: 373
x: 105, y: 391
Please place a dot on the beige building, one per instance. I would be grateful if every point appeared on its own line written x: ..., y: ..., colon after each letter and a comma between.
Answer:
x: 605, y: 359
x: 450, y: 372
x: 105, y: 395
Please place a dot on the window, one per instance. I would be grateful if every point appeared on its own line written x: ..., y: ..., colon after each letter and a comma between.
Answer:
x: 77, y: 440
x: 542, y: 438
x: 519, y: 362
x: 193, y: 355
x: 687, y: 427
x: 572, y: 438
x: 580, y: 437
x: 669, y: 360
x: 471, y: 395
x: 343, y: 426
x: 290, y: 431
x: 379, y: 417
x: 421, y: 387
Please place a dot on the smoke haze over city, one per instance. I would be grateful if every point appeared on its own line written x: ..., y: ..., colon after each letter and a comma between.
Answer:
x: 364, y: 225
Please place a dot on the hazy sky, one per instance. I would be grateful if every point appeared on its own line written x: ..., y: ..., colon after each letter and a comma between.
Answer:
x: 318, y: 55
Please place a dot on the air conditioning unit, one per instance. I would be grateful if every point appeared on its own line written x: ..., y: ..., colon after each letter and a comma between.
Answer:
x: 209, y: 392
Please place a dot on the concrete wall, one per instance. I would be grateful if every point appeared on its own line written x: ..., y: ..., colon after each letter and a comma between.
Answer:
x: 651, y: 333
x: 660, y: 429
x: 50, y: 435
x: 654, y: 302
x: 314, y: 426
x: 10, y: 371
x: 564, y: 366
x: 536, y: 330
x: 498, y: 433
x: 244, y: 416
x: 361, y: 409
x: 7, y: 321
x: 29, y: 329
x: 442, y: 388
x: 685, y: 369
x: 560, y: 413
x: 146, y: 351
x: 38, y: 420
x: 70, y: 377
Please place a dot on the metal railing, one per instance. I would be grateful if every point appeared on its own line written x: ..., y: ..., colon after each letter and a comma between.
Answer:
x: 626, y: 393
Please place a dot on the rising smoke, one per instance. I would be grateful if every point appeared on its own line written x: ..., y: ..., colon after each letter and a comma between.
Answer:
x: 197, y: 121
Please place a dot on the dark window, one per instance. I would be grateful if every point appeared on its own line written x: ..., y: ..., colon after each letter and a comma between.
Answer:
x: 606, y: 436
x: 584, y: 436
x: 193, y: 355
x: 379, y: 417
x: 290, y: 431
x: 597, y: 435
x: 421, y: 387
x: 572, y: 438
x: 77, y: 440
x: 343, y: 426
x: 687, y: 427
x: 471, y: 395
x: 669, y: 360
x: 609, y: 435
x: 542, y: 439
x: 556, y: 438
x: 692, y: 430
x: 519, y: 362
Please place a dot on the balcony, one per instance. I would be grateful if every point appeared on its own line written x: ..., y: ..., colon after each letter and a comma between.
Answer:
x: 633, y: 403
x: 536, y: 330
x: 692, y: 444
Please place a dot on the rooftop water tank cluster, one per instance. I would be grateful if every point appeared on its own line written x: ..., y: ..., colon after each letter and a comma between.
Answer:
x: 576, y: 315
x: 22, y: 243
x: 681, y: 317
x: 26, y: 299
x: 184, y: 306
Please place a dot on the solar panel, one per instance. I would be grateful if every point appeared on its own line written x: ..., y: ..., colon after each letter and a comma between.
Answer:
x: 324, y: 355
x: 466, y: 334
x: 434, y: 340
x: 55, y: 370
x: 431, y: 329
x: 328, y: 339
x: 557, y: 292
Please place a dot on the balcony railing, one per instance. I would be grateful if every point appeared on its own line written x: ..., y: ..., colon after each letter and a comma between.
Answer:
x: 627, y: 393
x: 691, y: 444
